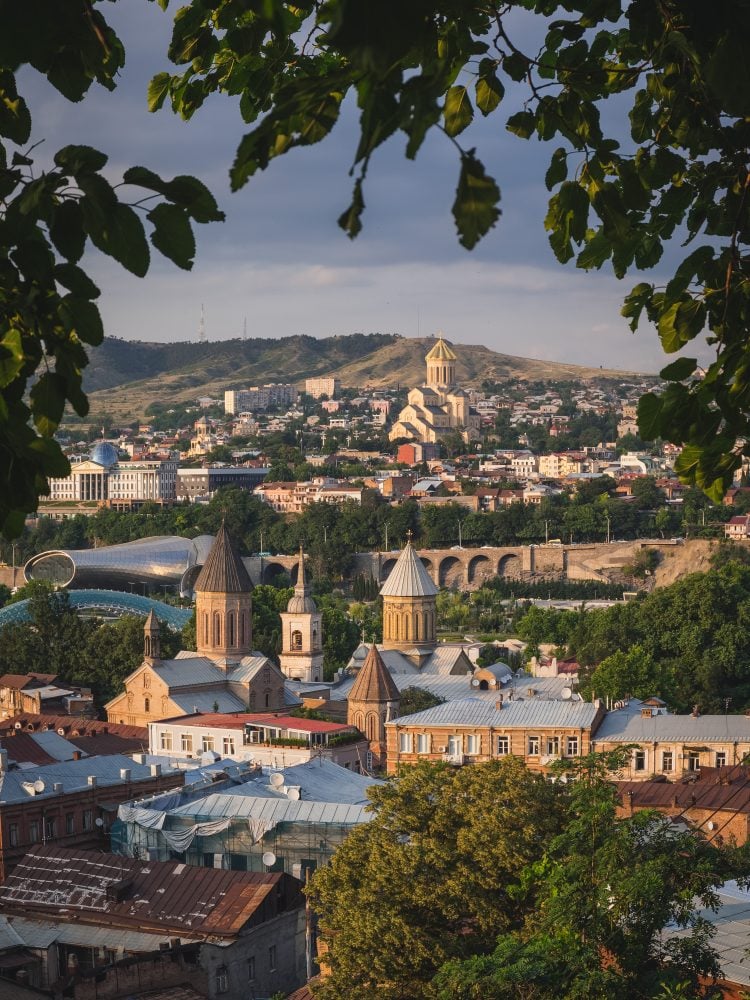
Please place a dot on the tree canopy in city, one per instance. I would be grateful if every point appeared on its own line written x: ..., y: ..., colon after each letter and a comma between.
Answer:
x: 680, y: 69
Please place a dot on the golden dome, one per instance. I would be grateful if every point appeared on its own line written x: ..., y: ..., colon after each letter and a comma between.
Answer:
x: 440, y: 352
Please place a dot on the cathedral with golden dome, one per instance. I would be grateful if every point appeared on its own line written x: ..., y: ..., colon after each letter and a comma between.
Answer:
x: 440, y: 406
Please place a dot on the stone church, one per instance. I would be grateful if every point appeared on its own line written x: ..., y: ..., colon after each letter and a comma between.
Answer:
x: 223, y: 674
x: 440, y: 406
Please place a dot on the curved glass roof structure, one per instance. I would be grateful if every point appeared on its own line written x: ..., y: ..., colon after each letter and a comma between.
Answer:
x: 105, y: 454
x: 156, y: 561
x: 111, y: 603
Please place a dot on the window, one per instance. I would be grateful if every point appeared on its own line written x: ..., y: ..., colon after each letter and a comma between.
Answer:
x: 572, y: 746
x: 473, y: 744
x: 88, y: 819
x: 721, y: 759
x: 166, y: 741
x: 296, y: 639
x: 503, y: 746
x: 186, y: 742
x: 455, y: 745
x: 251, y: 968
x: 423, y: 743
x: 70, y: 823
x: 405, y: 742
x: 228, y: 745
x: 639, y: 760
x: 693, y: 760
x: 533, y: 748
x: 13, y: 834
x: 146, y: 704
x: 667, y: 760
x: 34, y: 831
x: 50, y: 828
x: 207, y: 743
x: 222, y: 979
x: 272, y: 958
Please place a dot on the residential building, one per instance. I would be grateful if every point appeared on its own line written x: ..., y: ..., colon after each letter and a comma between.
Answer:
x: 260, y: 397
x: 223, y: 674
x: 105, y: 925
x: 326, y: 385
x: 440, y: 406
x: 299, y: 813
x: 40, y: 693
x: 194, y: 484
x: 472, y: 730
x: 673, y: 746
x: 265, y: 739
x: 736, y: 527
x: 414, y: 452
x: 292, y: 497
x: 69, y: 802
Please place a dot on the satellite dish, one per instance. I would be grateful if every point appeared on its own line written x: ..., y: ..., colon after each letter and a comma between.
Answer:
x: 474, y: 682
x: 277, y: 780
x: 567, y: 693
x: 711, y: 825
x: 98, y: 821
x: 61, y: 731
x: 293, y: 794
x: 18, y: 725
x: 39, y: 786
x: 269, y: 859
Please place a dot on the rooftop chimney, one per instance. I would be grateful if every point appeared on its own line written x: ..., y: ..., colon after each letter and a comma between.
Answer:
x: 155, y: 770
x: 499, y: 702
x: 92, y: 780
x: 125, y: 773
x: 77, y: 755
x: 3, y: 761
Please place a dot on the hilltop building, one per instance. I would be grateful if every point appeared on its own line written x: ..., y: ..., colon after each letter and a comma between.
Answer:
x: 326, y: 385
x: 223, y: 674
x: 440, y: 406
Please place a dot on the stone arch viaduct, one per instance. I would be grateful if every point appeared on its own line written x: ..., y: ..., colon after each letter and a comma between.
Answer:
x: 468, y: 568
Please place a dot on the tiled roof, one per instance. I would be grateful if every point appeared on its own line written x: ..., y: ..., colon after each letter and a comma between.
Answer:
x: 221, y: 720
x: 223, y: 571
x: 22, y: 681
x: 374, y: 682
x: 409, y: 578
x: 192, y: 900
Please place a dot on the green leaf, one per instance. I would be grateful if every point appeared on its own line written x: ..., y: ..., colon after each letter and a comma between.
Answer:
x: 595, y: 252
x: 635, y: 303
x: 12, y: 356
x: 76, y: 281
x: 680, y: 369
x: 48, y: 402
x: 458, y: 112
x: 67, y: 231
x: 15, y: 120
x: 172, y: 234
x: 558, y: 168
x: 475, y: 208
x: 728, y: 72
x: 77, y: 160
x: 489, y: 90
x: 158, y: 89
x: 351, y: 220
x: 649, y: 416
x: 82, y: 318
x: 522, y: 124
x: 143, y: 177
x: 120, y: 234
x: 52, y: 458
x: 680, y: 323
x: 194, y: 197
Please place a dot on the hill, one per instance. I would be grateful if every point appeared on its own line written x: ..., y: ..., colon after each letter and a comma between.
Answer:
x: 125, y: 376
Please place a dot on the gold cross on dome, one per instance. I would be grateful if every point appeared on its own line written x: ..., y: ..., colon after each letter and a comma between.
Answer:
x: 408, y: 533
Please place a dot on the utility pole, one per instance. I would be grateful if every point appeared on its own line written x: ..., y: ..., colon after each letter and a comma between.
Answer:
x: 608, y: 523
x: 386, y: 537
x: 546, y: 532
x: 460, y: 543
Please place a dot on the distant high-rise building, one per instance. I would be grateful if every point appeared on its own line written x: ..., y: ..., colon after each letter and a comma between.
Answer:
x: 327, y: 385
x: 260, y: 397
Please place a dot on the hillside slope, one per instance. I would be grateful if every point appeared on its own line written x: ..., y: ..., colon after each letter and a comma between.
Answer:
x: 125, y: 376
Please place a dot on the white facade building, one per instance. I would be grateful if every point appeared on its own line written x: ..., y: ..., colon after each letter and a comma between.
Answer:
x: 104, y: 477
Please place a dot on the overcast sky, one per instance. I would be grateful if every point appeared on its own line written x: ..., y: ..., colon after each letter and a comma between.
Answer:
x: 280, y: 263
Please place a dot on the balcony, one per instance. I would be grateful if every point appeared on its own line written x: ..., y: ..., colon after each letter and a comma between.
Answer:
x: 457, y: 759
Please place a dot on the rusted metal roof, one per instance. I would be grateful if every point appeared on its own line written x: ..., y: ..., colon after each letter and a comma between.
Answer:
x: 72, y: 725
x: 123, y: 892
x: 717, y: 788
x: 24, y: 749
x: 22, y: 681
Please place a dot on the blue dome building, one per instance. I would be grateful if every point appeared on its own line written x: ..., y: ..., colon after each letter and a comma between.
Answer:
x: 105, y: 454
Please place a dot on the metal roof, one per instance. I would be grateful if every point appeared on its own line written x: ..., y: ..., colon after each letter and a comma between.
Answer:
x: 629, y: 726
x: 732, y: 925
x: 209, y: 700
x: 114, y: 602
x: 42, y: 933
x: 513, y: 715
x: 273, y: 810
x: 409, y: 578
x: 373, y: 682
x: 223, y: 571
x: 440, y: 352
x: 73, y: 775
x: 165, y: 895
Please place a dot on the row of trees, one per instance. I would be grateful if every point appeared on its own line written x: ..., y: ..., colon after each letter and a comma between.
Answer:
x: 686, y: 643
x: 492, y: 883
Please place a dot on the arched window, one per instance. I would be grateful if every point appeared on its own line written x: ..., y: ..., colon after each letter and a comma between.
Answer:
x: 359, y: 721
x: 217, y: 628
x: 148, y: 645
x: 268, y: 699
x: 406, y: 626
x: 416, y: 626
x: 296, y: 639
x: 205, y: 629
x: 230, y: 628
x: 427, y: 632
x: 243, y: 628
x: 315, y: 638
x: 146, y: 704
x: 372, y: 726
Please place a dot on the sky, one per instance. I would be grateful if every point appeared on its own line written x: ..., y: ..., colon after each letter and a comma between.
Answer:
x: 280, y: 265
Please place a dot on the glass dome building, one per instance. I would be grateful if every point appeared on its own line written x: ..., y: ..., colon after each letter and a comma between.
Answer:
x: 104, y: 453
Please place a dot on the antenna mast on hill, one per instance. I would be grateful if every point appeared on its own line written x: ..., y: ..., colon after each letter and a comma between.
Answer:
x: 202, y: 327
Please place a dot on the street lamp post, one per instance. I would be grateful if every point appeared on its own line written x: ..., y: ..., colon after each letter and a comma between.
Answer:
x: 608, y: 525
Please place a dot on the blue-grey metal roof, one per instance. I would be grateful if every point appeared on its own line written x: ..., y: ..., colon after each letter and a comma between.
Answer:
x: 409, y: 578
x: 629, y: 726
x: 282, y: 810
x: 531, y: 714
x: 73, y: 775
